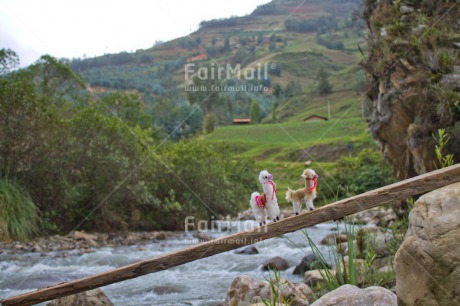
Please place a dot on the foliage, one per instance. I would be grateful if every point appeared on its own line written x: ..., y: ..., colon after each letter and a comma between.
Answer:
x: 275, y: 283
x: 207, y: 94
x: 217, y: 23
x: 19, y: 217
x: 324, y: 87
x: 255, y: 111
x: 443, y: 160
x: 210, y: 122
x: 364, y: 172
x: 199, y: 179
x: 8, y: 60
x: 349, y: 273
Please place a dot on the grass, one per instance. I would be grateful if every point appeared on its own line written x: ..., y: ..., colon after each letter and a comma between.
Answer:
x: 18, y: 214
x: 292, y: 133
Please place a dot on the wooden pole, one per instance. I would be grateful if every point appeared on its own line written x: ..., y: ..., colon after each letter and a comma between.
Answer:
x: 395, y: 192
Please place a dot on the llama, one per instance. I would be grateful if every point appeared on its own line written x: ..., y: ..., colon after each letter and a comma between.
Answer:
x: 266, y: 204
x: 304, y: 195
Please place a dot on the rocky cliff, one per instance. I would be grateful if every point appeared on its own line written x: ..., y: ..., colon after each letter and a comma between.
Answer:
x: 413, y: 74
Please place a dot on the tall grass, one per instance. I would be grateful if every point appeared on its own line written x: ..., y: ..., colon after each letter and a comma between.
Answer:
x: 19, y: 217
x: 276, y: 298
x: 335, y: 279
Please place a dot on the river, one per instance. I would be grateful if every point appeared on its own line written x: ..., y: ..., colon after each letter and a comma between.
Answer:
x: 203, y: 282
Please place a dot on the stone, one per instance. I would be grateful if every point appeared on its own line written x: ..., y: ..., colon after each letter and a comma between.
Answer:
x: 277, y: 263
x: 334, y: 239
x: 250, y: 250
x: 347, y: 295
x: 373, y: 216
x: 309, y: 262
x: 93, y: 297
x: 404, y: 9
x: 160, y: 236
x: 203, y: 236
x: 297, y: 293
x: 427, y: 264
x: 314, y: 278
x: 77, y: 235
x: 161, y: 290
x: 244, y: 289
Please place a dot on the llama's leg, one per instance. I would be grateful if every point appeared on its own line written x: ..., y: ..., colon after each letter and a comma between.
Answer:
x: 309, y: 204
x: 296, y: 207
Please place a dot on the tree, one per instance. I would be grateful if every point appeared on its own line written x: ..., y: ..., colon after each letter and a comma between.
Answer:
x: 8, y: 61
x: 226, y: 44
x: 206, y: 90
x: 210, y: 122
x: 277, y: 90
x: 324, y: 87
x: 255, y: 111
x: 273, y: 112
x: 56, y: 81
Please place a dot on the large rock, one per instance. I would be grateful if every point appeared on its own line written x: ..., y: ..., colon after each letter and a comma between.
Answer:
x: 334, y: 239
x: 309, y: 262
x: 314, y: 278
x: 250, y: 250
x: 277, y: 263
x: 244, y: 290
x: 406, y: 104
x: 348, y: 295
x: 93, y: 297
x: 428, y: 262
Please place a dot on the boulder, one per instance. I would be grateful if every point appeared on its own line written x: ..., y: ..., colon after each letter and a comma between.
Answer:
x: 160, y: 236
x: 77, y: 235
x: 427, y: 264
x: 245, y: 290
x: 250, y: 250
x: 93, y: 297
x: 309, y: 262
x: 314, y: 277
x: 277, y: 263
x: 334, y: 239
x: 297, y: 293
x: 347, y: 295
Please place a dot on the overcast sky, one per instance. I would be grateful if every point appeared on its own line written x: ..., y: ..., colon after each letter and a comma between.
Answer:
x: 70, y: 28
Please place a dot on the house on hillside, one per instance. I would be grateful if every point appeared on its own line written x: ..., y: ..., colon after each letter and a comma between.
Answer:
x: 241, y: 121
x: 315, y: 118
x: 197, y: 58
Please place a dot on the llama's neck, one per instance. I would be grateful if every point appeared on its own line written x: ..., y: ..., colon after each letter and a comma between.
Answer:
x: 309, y: 184
x: 269, y: 189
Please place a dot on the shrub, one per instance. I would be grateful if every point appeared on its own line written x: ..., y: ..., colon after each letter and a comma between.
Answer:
x: 19, y: 217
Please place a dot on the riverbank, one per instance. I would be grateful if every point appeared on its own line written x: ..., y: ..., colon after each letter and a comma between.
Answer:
x: 80, y: 242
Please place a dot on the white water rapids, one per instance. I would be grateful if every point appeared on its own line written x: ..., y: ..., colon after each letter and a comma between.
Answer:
x: 203, y: 282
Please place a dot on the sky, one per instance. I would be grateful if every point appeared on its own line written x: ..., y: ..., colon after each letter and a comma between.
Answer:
x: 70, y: 28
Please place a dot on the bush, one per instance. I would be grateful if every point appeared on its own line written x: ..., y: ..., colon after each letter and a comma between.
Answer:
x: 210, y: 122
x: 361, y: 173
x: 197, y: 179
x: 19, y: 217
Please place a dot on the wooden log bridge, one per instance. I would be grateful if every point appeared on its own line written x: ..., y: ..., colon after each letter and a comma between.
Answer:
x: 395, y: 192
